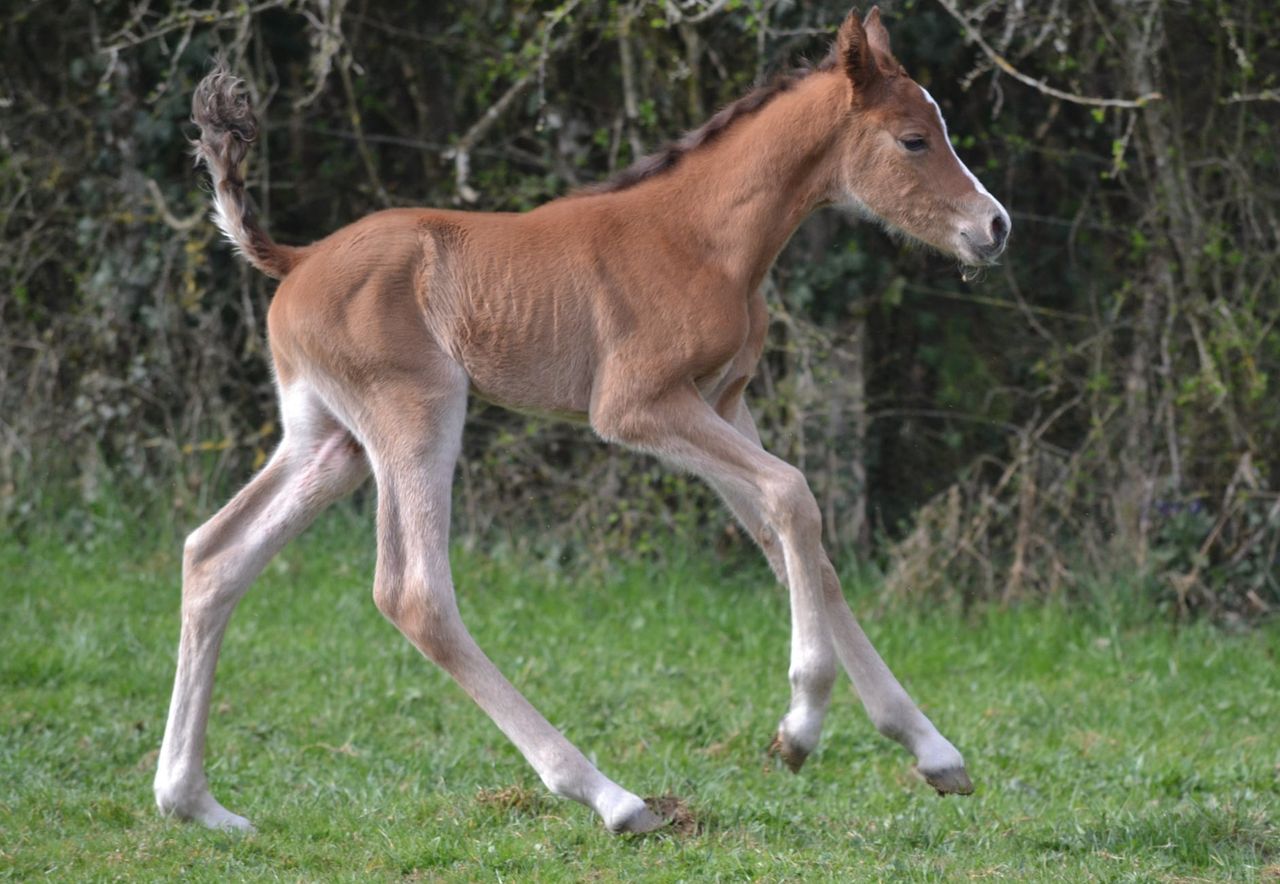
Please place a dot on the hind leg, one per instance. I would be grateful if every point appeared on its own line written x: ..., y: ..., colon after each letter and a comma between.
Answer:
x: 317, y: 463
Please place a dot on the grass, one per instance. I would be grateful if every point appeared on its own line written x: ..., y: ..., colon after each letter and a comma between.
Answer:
x: 1126, y: 750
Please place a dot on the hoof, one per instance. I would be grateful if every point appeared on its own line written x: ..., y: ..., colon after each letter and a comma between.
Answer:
x: 204, y: 809
x: 640, y: 822
x: 792, y: 756
x: 948, y: 781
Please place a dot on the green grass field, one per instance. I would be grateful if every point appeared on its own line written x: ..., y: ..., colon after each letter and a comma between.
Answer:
x: 1102, y: 748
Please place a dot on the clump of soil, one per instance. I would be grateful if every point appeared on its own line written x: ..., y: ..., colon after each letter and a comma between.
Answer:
x: 680, y: 819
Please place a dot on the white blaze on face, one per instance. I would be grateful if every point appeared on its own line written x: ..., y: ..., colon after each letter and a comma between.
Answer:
x: 977, y: 185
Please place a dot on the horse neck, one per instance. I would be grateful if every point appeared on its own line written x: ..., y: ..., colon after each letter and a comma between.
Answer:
x: 738, y: 199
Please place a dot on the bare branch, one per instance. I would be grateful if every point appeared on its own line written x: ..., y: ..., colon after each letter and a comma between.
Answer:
x: 987, y: 301
x: 704, y: 11
x: 357, y: 126
x: 1239, y: 97
x: 326, y: 43
x: 1040, y: 85
x: 629, y: 101
x: 461, y: 152
x: 162, y: 207
x: 183, y: 18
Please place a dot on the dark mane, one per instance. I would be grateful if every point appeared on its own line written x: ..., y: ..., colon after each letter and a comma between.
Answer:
x: 669, y: 156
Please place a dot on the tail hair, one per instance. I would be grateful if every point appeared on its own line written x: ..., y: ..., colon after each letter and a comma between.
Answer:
x: 221, y: 109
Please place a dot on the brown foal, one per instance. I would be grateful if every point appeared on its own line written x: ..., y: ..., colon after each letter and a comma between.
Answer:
x: 635, y: 306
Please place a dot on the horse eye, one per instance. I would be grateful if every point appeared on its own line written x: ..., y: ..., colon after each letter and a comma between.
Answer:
x: 915, y: 145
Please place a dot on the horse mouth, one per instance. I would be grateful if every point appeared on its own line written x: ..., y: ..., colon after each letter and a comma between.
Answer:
x: 977, y: 256
x: 974, y: 260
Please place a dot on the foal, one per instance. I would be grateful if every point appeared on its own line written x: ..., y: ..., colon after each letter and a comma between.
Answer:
x: 636, y: 306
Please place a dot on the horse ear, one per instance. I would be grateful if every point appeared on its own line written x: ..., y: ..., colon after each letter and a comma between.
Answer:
x: 853, y: 53
x: 877, y: 34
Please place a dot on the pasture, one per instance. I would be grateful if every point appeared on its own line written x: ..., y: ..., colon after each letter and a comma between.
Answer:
x: 1108, y: 745
x: 1100, y: 404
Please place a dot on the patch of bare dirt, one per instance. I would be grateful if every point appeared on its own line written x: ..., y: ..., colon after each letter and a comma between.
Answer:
x: 680, y: 819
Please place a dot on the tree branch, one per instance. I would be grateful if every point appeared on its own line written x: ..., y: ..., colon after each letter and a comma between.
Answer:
x: 162, y: 209
x: 697, y: 14
x: 1040, y: 85
x: 183, y: 18
x: 1264, y: 95
x: 461, y: 152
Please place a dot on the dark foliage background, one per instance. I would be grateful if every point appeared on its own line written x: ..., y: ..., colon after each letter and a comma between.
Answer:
x: 1103, y: 403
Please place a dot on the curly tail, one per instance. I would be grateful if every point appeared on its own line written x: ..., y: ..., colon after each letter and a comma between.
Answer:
x: 221, y: 109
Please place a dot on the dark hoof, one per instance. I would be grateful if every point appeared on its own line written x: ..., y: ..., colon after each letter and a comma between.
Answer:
x: 950, y: 781
x: 791, y: 756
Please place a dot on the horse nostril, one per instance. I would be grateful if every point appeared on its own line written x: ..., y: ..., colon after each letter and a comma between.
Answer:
x: 999, y: 230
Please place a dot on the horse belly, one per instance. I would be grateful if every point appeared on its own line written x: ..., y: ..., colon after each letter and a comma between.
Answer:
x: 530, y: 354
